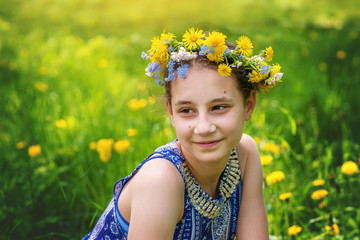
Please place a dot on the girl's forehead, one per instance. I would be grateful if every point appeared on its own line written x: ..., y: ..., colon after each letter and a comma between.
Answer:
x: 203, y: 83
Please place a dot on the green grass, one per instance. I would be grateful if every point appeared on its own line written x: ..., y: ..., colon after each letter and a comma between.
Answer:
x: 80, y: 61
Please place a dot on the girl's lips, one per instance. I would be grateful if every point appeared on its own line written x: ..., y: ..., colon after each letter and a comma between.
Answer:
x: 207, y: 144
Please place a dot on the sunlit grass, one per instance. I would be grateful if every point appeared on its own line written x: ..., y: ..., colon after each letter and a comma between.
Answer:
x: 78, y: 114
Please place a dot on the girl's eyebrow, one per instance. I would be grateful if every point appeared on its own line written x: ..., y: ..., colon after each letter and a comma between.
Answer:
x: 221, y: 99
x: 182, y: 102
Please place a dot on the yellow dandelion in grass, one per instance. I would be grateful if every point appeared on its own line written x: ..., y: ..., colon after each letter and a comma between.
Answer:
x: 136, y: 104
x: 318, y: 182
x: 34, y: 150
x: 321, y: 205
x: 271, y: 148
x: 21, y: 145
x: 266, y: 159
x: 121, y: 145
x: 61, y: 123
x: 275, y: 177
x: 216, y: 41
x: 224, y: 70
x: 12, y: 66
x: 257, y: 140
x: 269, y: 54
x: 341, y: 54
x: 152, y: 100
x: 193, y: 38
x: 332, y: 230
x: 323, y: 66
x: 319, y: 194
x: 43, y: 70
x: 167, y: 131
x: 294, y: 230
x: 131, y: 132
x: 103, y: 147
x: 103, y: 63
x: 159, y: 51
x: 349, y: 168
x: 245, y: 47
x: 285, y: 196
x: 92, y: 145
x: 41, y: 87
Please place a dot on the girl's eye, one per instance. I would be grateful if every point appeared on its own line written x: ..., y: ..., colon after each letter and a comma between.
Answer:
x: 219, y: 107
x: 186, y: 110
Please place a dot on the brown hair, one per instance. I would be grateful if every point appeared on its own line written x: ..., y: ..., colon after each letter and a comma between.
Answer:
x: 239, y: 73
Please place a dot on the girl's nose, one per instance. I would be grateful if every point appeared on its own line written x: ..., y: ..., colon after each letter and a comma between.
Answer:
x: 204, y: 126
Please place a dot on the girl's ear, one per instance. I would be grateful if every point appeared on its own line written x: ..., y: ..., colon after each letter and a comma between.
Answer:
x: 169, y: 109
x: 250, y: 105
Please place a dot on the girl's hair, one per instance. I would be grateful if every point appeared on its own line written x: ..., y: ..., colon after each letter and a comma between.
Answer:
x: 240, y: 74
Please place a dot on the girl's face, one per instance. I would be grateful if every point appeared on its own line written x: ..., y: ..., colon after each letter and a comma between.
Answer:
x: 208, y: 113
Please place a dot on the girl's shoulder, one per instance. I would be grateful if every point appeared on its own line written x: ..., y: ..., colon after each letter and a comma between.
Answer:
x: 153, y: 187
x: 247, y: 151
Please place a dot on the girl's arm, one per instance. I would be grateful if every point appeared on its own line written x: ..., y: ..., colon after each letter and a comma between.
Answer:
x: 252, y: 219
x: 157, y: 201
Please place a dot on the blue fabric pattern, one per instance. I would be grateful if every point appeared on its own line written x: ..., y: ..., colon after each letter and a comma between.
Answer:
x: 196, y: 223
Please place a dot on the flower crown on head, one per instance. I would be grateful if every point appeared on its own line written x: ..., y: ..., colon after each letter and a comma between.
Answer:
x: 167, y: 52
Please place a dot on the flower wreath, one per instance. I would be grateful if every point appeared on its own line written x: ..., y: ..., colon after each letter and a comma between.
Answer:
x: 166, y: 52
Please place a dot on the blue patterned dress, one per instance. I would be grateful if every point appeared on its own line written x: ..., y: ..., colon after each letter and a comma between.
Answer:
x: 204, y: 217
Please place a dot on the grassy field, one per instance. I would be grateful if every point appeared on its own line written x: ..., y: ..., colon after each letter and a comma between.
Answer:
x: 78, y: 113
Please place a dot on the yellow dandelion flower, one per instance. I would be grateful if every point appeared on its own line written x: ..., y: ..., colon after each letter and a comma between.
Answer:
x: 245, y: 47
x: 12, y: 66
x: 321, y: 205
x: 121, y: 145
x: 319, y: 194
x: 131, y: 132
x: 272, y: 148
x: 103, y: 147
x: 257, y: 140
x: 332, y: 230
x: 193, y: 38
x: 275, y: 177
x: 43, y: 70
x: 152, y: 100
x: 224, y: 70
x: 21, y: 145
x: 349, y: 168
x: 285, y: 196
x: 103, y: 63
x: 105, y: 156
x: 256, y: 76
x: 294, y: 230
x: 42, y: 87
x: 216, y: 40
x: 34, y: 150
x: 318, y: 182
x: 274, y: 70
x: 341, y: 54
x: 269, y: 54
x: 61, y: 123
x: 266, y: 159
x: 323, y: 66
x: 159, y: 51
x: 92, y: 145
x: 136, y: 104
x: 167, y: 131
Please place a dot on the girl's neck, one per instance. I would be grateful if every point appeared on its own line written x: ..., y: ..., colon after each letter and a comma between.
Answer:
x: 207, y: 175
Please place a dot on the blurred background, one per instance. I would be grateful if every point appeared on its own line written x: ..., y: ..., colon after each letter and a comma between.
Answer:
x: 78, y: 112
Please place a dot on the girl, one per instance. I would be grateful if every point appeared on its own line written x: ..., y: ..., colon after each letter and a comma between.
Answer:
x: 207, y: 183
